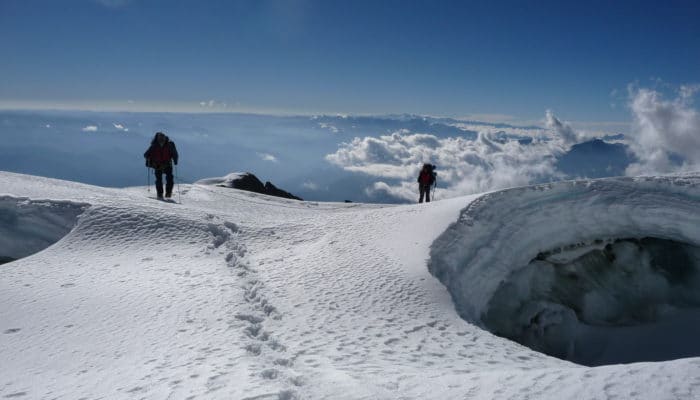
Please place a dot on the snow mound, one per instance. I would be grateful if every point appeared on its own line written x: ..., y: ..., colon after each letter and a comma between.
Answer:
x: 226, y: 181
x: 31, y: 226
x: 585, y: 270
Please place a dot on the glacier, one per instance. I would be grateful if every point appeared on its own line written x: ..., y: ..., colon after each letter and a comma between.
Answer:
x: 231, y: 294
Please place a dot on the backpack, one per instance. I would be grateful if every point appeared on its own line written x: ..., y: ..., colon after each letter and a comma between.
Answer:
x: 429, y: 170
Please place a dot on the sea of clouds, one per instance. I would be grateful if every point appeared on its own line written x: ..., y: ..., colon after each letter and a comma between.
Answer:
x: 358, y: 158
x: 664, y: 138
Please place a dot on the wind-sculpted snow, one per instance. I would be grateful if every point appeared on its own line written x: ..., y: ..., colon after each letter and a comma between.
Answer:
x: 236, y: 295
x: 554, y: 266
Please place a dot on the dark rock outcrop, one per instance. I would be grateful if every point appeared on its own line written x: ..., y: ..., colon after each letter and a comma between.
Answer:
x: 273, y: 190
x: 251, y: 183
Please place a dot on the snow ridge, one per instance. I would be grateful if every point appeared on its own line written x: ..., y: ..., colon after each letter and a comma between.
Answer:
x: 501, y: 232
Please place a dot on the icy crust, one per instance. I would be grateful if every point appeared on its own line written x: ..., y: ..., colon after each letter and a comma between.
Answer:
x: 29, y: 226
x: 499, y: 233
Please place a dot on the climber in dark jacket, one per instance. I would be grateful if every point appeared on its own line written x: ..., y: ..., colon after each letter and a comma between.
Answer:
x: 161, y: 156
x: 426, y: 179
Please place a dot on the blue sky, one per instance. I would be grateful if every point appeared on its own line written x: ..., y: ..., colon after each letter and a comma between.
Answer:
x: 445, y: 58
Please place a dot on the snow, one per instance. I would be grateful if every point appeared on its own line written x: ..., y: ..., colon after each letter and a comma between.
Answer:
x: 503, y: 231
x: 237, y: 295
x: 546, y: 265
x: 222, y: 181
x: 30, y: 226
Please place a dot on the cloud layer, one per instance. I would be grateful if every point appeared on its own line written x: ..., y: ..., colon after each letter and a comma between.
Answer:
x: 497, y: 158
x: 665, y: 136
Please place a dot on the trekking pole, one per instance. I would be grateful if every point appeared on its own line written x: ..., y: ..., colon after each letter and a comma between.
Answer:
x: 148, y: 179
x: 177, y: 177
x: 434, y: 189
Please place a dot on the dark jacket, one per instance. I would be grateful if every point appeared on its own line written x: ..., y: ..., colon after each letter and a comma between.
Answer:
x: 160, y: 157
x: 426, y: 176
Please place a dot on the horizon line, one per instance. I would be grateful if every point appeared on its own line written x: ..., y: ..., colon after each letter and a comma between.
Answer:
x: 188, y: 108
x: 155, y: 107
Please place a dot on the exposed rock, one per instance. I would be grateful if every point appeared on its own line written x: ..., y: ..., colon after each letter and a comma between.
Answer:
x: 249, y: 182
x: 273, y: 190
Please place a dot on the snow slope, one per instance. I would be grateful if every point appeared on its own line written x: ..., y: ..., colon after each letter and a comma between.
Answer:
x: 236, y: 295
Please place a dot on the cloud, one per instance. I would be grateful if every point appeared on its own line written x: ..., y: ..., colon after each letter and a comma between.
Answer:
x: 665, y: 135
x: 686, y: 92
x: 562, y: 129
x: 495, y: 159
x: 378, y: 188
x: 268, y: 157
x: 329, y: 127
x: 213, y: 104
x: 90, y: 128
x: 310, y: 185
x: 120, y: 127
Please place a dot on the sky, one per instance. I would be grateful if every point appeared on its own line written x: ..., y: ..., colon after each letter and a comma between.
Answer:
x: 507, y: 61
